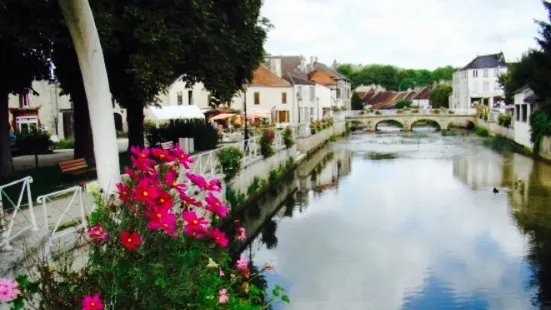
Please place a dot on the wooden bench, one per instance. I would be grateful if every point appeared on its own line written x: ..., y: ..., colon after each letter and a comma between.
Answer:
x: 74, y: 167
x: 167, y: 145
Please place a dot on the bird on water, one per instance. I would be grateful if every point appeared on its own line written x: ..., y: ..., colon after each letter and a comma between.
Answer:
x: 496, y: 190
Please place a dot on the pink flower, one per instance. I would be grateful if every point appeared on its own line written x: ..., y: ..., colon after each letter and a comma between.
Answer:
x: 167, y: 223
x: 215, y: 206
x: 223, y: 297
x: 171, y: 180
x: 92, y: 303
x: 193, y: 222
x: 242, y: 235
x: 139, y: 152
x: 195, y: 233
x: 8, y: 290
x: 242, y: 263
x: 165, y: 200
x: 198, y: 180
x: 190, y: 200
x: 97, y: 233
x: 162, y: 154
x: 141, y: 158
x: 214, y: 185
x: 124, y: 192
x: 221, y: 272
x: 219, y: 237
x: 146, y: 192
x: 182, y: 157
x: 130, y: 240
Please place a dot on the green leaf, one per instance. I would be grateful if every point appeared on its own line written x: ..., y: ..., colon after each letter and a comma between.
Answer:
x: 275, y: 292
x: 160, y: 281
x: 285, y: 298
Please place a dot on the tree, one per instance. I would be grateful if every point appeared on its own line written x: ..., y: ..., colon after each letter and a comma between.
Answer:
x: 24, y: 57
x: 443, y: 74
x: 518, y: 75
x: 357, y: 102
x: 440, y: 96
x: 148, y: 45
x: 81, y: 25
x: 404, y: 103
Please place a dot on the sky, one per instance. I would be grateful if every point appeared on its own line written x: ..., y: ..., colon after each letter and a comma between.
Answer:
x: 405, y: 33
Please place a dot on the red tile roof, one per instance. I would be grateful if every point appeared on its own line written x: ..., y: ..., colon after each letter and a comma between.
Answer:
x: 264, y: 77
x: 423, y: 94
x: 322, y: 77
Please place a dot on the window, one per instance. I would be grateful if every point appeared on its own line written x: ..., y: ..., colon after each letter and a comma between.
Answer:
x: 180, y: 98
x: 282, y: 116
x: 26, y: 123
x: 486, y: 87
x: 475, y: 73
x: 517, y: 112
x: 485, y: 72
x: 312, y: 93
x: 256, y: 98
x: 190, y: 97
x: 524, y: 116
x: 24, y: 100
x: 283, y: 97
x: 338, y: 93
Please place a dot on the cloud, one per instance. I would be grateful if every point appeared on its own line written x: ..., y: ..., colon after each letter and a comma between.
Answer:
x: 406, y: 33
x: 379, y: 241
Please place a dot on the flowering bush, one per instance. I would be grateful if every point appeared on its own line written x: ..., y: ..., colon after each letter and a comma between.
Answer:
x: 230, y: 160
x: 156, y: 246
x: 288, y: 137
x: 267, y: 143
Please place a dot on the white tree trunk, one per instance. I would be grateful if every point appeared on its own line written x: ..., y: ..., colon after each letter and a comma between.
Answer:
x: 80, y: 22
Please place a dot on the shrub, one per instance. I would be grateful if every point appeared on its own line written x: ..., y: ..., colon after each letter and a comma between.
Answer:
x: 481, y: 131
x: 267, y: 143
x: 288, y: 137
x: 273, y: 176
x: 150, y: 249
x: 505, y: 120
x: 451, y: 112
x: 436, y: 111
x: 205, y: 136
x: 404, y: 103
x: 33, y: 141
x: 378, y: 112
x: 416, y: 111
x: 332, y: 138
x: 254, y: 186
x: 235, y: 199
x: 64, y: 144
x: 230, y: 160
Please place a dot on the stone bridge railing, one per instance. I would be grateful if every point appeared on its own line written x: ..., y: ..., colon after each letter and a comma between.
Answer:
x: 407, y: 119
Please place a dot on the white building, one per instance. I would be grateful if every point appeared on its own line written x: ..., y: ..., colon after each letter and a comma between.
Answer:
x: 478, y: 82
x: 44, y: 107
x: 524, y: 104
x: 178, y: 93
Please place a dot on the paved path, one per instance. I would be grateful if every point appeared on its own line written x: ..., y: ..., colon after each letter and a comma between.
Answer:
x: 26, y: 162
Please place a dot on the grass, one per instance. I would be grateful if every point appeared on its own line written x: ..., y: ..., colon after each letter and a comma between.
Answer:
x: 483, y: 132
x: 381, y: 156
x: 64, y: 144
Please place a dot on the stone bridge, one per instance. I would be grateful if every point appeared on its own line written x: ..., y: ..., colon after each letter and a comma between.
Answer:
x: 407, y: 120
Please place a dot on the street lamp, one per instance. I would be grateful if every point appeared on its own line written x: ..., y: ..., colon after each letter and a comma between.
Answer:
x: 246, y: 130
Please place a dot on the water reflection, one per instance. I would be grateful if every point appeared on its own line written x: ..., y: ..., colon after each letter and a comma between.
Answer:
x: 423, y: 231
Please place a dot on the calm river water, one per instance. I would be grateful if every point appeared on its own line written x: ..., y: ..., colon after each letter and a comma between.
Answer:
x: 421, y: 231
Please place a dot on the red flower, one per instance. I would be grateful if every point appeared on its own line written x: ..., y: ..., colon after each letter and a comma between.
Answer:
x: 171, y: 180
x: 97, y: 233
x: 197, y: 180
x: 214, y: 185
x: 166, y: 223
x: 165, y: 200
x: 162, y: 154
x: 124, y: 192
x: 145, y: 192
x: 195, y: 233
x: 182, y: 157
x: 130, y: 240
x: 92, y: 303
x: 219, y: 237
x: 139, y: 152
x: 193, y: 222
x: 215, y: 206
x: 190, y: 200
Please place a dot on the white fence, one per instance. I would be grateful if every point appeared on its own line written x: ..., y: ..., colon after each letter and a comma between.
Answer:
x: 8, y: 233
x: 61, y: 210
x: 207, y: 163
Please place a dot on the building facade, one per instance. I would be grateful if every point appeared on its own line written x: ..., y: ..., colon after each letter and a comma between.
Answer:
x: 43, y: 107
x: 524, y: 105
x: 477, y: 82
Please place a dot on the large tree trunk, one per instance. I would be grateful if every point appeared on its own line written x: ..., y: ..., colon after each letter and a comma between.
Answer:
x: 84, y: 143
x: 6, y: 161
x: 135, y: 117
x: 80, y: 22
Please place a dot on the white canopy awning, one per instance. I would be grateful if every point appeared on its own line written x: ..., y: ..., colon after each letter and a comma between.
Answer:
x: 173, y: 112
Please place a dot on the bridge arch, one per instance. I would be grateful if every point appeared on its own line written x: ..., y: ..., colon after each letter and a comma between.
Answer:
x: 428, y: 120
x: 390, y: 121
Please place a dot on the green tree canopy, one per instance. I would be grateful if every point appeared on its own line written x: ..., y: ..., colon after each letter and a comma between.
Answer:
x: 393, y: 78
x: 404, y: 103
x: 440, y: 96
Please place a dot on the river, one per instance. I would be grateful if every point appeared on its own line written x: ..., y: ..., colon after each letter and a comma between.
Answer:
x: 357, y: 229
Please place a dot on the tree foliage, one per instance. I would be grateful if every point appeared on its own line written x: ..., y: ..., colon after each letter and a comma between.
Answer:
x: 440, y: 96
x: 357, y: 102
x: 404, y: 103
x: 25, y: 47
x: 393, y: 78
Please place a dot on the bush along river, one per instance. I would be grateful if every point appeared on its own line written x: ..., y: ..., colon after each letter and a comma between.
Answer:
x: 418, y: 220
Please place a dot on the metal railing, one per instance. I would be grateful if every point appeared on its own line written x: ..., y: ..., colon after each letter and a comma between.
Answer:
x: 7, y: 231
x: 49, y: 203
x: 207, y: 163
